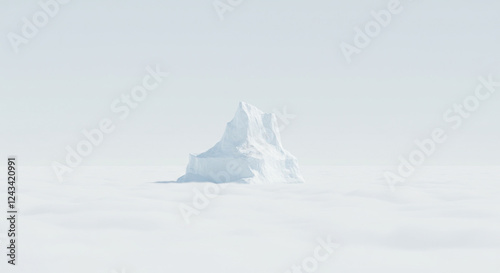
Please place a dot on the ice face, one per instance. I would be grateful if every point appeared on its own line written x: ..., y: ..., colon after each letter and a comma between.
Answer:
x: 250, y: 151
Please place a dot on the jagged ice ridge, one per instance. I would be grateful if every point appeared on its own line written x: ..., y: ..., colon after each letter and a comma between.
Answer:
x: 250, y: 151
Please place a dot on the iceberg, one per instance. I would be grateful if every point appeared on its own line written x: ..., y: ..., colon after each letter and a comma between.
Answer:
x: 250, y: 151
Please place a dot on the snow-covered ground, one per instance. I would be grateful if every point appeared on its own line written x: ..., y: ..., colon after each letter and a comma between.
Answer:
x: 116, y: 219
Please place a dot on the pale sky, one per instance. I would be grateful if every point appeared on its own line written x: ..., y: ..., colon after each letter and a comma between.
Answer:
x: 272, y: 54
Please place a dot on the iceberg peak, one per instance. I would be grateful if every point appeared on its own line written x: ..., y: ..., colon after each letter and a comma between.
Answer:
x: 250, y: 151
